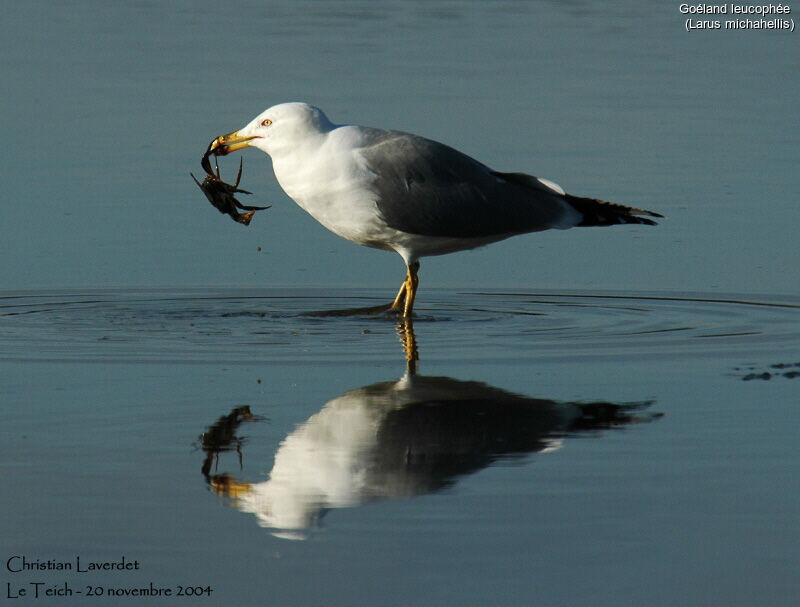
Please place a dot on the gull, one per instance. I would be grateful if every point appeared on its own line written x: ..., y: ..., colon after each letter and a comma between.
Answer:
x: 401, y: 192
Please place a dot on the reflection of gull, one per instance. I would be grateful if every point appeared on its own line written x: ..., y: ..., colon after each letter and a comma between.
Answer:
x: 405, y: 438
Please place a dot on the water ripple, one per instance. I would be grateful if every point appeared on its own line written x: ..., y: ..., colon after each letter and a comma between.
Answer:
x: 244, y: 326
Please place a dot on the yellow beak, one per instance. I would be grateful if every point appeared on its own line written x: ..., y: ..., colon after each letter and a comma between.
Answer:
x: 225, y: 144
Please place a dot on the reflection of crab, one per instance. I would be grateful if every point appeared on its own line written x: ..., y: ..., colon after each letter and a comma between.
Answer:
x: 221, y: 436
x: 221, y: 194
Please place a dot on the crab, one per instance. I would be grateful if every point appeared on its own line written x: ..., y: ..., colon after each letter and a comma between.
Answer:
x: 221, y: 194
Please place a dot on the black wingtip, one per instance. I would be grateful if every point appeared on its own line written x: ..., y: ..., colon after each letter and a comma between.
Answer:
x: 601, y: 213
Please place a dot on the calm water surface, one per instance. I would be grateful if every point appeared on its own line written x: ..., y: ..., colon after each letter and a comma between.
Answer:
x: 557, y: 447
x: 596, y: 417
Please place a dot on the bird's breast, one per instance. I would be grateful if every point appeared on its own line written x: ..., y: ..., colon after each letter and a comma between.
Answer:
x: 336, y: 192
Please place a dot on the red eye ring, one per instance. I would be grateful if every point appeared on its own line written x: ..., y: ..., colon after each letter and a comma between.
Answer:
x: 266, y: 122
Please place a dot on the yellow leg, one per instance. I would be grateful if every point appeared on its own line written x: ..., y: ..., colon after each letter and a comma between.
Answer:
x: 401, y: 297
x: 408, y: 291
x: 411, y: 290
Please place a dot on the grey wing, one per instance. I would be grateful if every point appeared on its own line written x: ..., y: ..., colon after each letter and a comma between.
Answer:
x: 427, y: 188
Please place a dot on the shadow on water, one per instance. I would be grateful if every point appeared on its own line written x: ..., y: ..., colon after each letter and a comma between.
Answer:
x: 405, y: 327
x: 398, y: 439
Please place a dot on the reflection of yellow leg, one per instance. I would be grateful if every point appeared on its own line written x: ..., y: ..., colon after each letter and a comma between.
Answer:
x: 408, y: 291
x: 405, y: 329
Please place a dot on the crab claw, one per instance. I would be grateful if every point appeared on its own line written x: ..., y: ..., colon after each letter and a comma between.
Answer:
x: 205, y: 163
x: 239, y: 177
x: 245, y: 217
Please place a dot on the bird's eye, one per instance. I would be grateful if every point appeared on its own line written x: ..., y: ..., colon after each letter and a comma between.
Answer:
x: 266, y: 122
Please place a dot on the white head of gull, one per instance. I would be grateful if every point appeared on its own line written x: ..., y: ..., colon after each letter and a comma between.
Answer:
x: 401, y: 192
